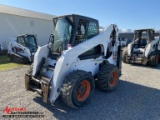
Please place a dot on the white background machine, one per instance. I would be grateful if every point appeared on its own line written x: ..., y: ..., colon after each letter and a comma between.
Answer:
x: 145, y: 48
x: 23, y: 47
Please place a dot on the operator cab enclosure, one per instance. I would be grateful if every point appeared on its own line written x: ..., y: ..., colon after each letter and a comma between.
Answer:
x: 23, y: 47
x: 29, y: 41
x: 71, y: 30
x: 143, y: 36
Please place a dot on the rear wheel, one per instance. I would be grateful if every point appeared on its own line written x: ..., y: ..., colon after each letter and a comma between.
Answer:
x: 159, y: 55
x: 108, y: 77
x: 77, y: 88
x: 2, y: 52
x: 25, y: 60
x: 124, y: 56
x: 11, y: 58
x: 153, y: 60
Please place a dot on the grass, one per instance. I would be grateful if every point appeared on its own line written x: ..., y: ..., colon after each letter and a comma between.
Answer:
x: 5, y: 63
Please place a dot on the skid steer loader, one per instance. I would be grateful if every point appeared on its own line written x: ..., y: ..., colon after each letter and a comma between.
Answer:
x: 23, y: 47
x: 145, y: 48
x: 76, y: 58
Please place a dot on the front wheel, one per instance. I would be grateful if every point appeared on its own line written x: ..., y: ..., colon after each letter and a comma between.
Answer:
x: 77, y: 88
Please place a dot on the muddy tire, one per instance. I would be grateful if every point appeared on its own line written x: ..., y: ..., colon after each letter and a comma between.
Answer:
x: 153, y: 60
x: 2, y: 52
x: 77, y: 88
x: 11, y: 58
x: 25, y: 60
x: 108, y: 77
x: 159, y: 55
x: 124, y: 56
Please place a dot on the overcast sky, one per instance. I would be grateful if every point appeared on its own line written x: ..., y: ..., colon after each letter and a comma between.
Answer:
x: 127, y: 14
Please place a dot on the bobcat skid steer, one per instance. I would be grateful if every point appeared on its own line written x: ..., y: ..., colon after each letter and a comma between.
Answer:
x: 145, y: 48
x: 76, y: 58
x: 23, y: 47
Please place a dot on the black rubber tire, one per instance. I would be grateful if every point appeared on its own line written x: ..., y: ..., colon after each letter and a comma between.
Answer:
x: 2, y: 52
x: 105, y: 74
x: 25, y: 60
x: 70, y: 86
x: 159, y: 55
x: 11, y: 58
x: 8, y: 55
x: 152, y: 60
x: 124, y: 56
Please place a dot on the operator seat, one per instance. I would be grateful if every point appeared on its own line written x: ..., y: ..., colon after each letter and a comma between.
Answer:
x: 143, y: 43
x: 78, y: 39
x: 54, y: 56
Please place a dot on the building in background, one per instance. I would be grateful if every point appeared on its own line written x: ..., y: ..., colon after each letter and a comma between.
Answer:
x: 16, y: 21
x: 126, y: 33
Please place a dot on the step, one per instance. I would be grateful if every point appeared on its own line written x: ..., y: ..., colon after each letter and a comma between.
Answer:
x: 34, y: 88
x: 41, y: 79
x: 47, y: 80
x: 49, y: 67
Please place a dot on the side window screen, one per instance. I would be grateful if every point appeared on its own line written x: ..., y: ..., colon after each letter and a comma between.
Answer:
x: 86, y: 30
x: 81, y: 31
x: 21, y: 41
x: 152, y: 35
x: 31, y: 42
x: 145, y: 35
x: 92, y: 29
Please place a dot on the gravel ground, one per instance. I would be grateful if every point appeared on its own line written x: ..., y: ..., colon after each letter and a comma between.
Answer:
x: 136, y: 98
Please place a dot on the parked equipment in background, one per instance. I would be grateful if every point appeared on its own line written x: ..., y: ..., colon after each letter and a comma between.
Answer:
x: 23, y: 47
x: 1, y: 49
x: 123, y: 41
x: 76, y: 58
x: 145, y: 48
x: 129, y: 41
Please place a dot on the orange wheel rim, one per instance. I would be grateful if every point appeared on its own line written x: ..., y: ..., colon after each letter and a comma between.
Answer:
x: 83, y: 90
x: 113, y: 79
